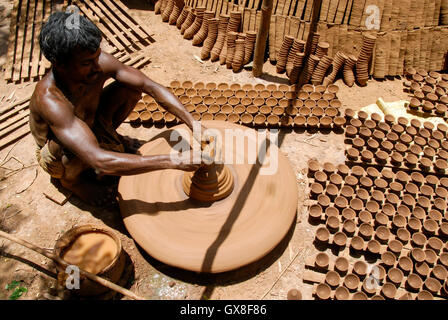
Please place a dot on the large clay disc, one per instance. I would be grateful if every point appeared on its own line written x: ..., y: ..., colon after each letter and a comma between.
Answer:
x: 210, y: 237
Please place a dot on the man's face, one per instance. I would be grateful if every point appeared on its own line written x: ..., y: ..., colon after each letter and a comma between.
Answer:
x: 83, y: 66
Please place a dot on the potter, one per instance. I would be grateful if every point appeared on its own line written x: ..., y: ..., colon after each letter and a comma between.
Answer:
x: 74, y: 119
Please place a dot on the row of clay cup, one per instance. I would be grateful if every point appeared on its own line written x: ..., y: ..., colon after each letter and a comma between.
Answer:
x: 233, y: 86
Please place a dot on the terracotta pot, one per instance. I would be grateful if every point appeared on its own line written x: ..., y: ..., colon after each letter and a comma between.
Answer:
x: 323, y: 291
x: 366, y: 231
x: 388, y: 259
x: 440, y: 273
x: 341, y: 202
x: 414, y: 282
x: 357, y: 243
x: 332, y: 191
x: 435, y: 244
x: 340, y: 239
x: 395, y: 247
x: 333, y: 279
x: 333, y: 223
x: 417, y: 255
x: 234, y: 118
x: 389, y: 290
x: 294, y: 294
x: 322, y: 261
x: 347, y: 192
x: 373, y: 246
x: 351, y: 282
x: 405, y: 264
x: 260, y: 119
x: 360, y: 269
x: 430, y: 257
x: 359, y: 296
x: 432, y: 285
x: 382, y: 233
x: 377, y: 297
x: 388, y: 209
x: 341, y: 265
x: 341, y: 293
x: 322, y: 234
x: 246, y: 118
x: 443, y: 259
x: 349, y: 227
x: 395, y: 276
x: 351, y: 181
x: 381, y: 219
x: 356, y: 204
x: 133, y: 116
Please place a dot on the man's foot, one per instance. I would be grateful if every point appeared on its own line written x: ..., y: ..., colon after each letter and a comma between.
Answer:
x: 92, y: 192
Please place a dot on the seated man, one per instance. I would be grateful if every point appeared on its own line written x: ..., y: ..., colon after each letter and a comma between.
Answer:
x: 74, y: 120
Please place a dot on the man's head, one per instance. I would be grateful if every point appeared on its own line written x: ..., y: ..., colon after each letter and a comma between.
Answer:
x: 73, y: 49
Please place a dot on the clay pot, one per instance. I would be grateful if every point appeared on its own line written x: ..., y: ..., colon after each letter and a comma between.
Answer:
x: 333, y: 223
x: 340, y: 239
x: 365, y: 217
x: 359, y: 296
x: 395, y: 276
x: 351, y: 181
x: 430, y: 226
x: 294, y: 294
x: 417, y: 255
x: 341, y: 202
x: 323, y: 291
x: 372, y: 206
x: 432, y: 285
x: 234, y: 118
x: 443, y: 259
x: 246, y: 118
x: 360, y: 269
x: 382, y: 234
x: 239, y: 109
x: 414, y: 282
x: 381, y: 219
x: 348, y: 214
x: 418, y: 240
x: 435, y: 244
x: 357, y: 243
x: 133, y: 117
x: 341, y: 293
x: 324, y: 200
x: 273, y: 119
x: 349, y: 227
x: 425, y: 295
x: 260, y: 119
x: 341, y: 265
x: 388, y: 259
x: 322, y: 234
x: 347, y: 192
x: 333, y: 279
x: 331, y: 191
x: 395, y: 247
x: 440, y: 273
x: 373, y: 246
x: 219, y: 117
x: 356, y: 204
x: 389, y: 290
x: 351, y: 282
x: 322, y: 261
x: 430, y: 257
x: 399, y: 221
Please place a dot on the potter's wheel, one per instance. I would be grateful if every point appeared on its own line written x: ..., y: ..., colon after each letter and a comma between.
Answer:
x: 209, y: 237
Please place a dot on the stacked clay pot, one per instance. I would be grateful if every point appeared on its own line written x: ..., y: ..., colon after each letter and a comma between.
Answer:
x: 311, y: 64
x: 322, y: 49
x: 209, y: 42
x: 167, y: 10
x: 231, y: 38
x: 157, y: 7
x: 337, y: 65
x: 362, y: 65
x: 191, y: 16
x: 175, y: 14
x: 349, y: 75
x: 296, y: 67
x: 282, y: 55
x: 297, y: 46
x: 249, y: 46
x: 314, y: 43
x: 194, y: 28
x: 238, y: 57
x: 183, y: 16
x: 200, y: 36
x: 221, y: 39
x: 320, y: 70
x: 232, y: 26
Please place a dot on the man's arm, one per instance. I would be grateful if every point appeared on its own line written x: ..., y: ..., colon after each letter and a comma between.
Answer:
x: 76, y: 136
x: 137, y: 80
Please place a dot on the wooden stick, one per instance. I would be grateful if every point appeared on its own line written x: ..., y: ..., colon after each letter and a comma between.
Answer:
x: 20, y: 42
x: 12, y: 41
x: 18, y: 103
x: 36, y: 51
x: 262, y: 35
x: 14, y: 137
x: 29, y: 39
x: 91, y: 276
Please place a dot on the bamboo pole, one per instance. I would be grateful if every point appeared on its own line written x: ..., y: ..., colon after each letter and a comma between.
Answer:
x: 52, y: 256
x: 260, y: 45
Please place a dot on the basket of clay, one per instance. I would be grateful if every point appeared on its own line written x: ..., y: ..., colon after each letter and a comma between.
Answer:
x: 93, y: 249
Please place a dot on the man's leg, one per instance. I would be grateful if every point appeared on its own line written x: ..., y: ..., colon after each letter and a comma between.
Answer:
x: 116, y: 103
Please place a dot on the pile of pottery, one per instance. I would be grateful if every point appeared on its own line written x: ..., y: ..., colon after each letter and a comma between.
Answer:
x: 409, y: 146
x: 365, y: 55
x: 218, y: 36
x: 430, y: 92
x: 318, y: 68
x: 259, y: 105
x: 398, y: 218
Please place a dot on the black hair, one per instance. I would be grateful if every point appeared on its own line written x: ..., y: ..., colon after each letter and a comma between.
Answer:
x: 63, y: 33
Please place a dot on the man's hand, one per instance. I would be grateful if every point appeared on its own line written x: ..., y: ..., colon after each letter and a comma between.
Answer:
x: 189, y: 160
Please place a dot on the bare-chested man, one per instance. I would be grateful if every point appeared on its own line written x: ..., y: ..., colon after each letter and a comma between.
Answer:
x: 73, y: 118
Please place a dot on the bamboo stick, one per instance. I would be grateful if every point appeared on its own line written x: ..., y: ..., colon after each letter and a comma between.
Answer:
x: 262, y: 35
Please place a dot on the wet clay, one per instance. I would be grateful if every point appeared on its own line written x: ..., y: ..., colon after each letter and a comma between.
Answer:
x: 214, y: 236
x: 92, y: 252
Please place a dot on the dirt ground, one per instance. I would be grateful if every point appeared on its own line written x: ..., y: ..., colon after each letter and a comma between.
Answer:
x: 27, y: 213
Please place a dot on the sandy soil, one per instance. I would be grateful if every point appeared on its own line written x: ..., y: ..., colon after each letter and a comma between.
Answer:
x: 25, y: 212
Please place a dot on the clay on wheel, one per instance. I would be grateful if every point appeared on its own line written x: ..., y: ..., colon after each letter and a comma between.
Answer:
x: 210, y: 237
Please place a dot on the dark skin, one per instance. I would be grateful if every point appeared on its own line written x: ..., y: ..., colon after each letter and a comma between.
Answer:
x: 66, y: 102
